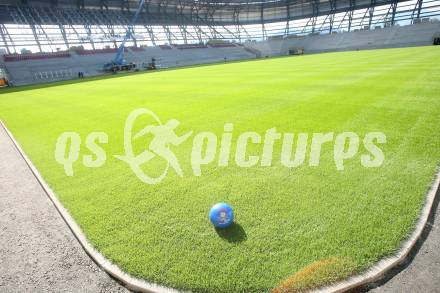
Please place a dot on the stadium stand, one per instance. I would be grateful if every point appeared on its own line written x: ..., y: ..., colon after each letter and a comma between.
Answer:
x: 420, y: 34
x: 84, y: 35
x: 91, y: 62
x: 25, y: 68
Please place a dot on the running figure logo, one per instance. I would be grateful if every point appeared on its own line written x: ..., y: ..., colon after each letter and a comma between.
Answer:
x: 163, y: 137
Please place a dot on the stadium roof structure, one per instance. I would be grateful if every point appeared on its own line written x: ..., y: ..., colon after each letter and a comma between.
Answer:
x: 222, y: 12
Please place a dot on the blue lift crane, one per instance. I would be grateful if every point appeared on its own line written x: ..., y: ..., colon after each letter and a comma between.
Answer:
x: 118, y: 63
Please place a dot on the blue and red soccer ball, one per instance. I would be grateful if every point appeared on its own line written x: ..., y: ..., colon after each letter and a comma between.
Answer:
x: 221, y: 215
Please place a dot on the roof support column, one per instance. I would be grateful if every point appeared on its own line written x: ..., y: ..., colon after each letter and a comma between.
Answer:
x: 80, y: 4
x: 371, y: 12
x: 111, y: 31
x: 332, y: 15
x: 182, y: 26
x: 287, y: 29
x: 3, y: 33
x: 151, y: 34
x: 125, y: 5
x: 63, y: 33
x: 263, y: 29
x: 350, y: 13
x: 210, y: 20
x: 416, y: 11
x: 315, y: 14
x: 103, y: 4
x: 148, y: 27
x: 236, y: 19
x: 89, y: 35
x: 393, y: 15
x: 34, y: 32
x: 420, y: 8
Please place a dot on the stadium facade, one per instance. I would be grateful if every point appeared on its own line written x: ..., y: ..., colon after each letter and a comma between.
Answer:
x: 57, y: 25
x: 52, y: 40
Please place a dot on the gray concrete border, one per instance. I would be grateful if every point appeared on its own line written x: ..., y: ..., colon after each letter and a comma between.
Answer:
x: 379, y: 270
x: 374, y: 274
x: 113, y: 270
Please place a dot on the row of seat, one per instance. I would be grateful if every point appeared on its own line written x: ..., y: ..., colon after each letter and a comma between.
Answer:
x: 165, y: 47
x: 190, y: 46
x: 21, y: 57
x: 136, y: 49
x: 64, y: 54
x: 222, y: 45
x: 96, y: 51
x: 107, y: 50
x: 196, y: 46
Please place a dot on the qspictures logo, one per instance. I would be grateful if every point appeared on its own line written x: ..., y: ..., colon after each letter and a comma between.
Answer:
x: 208, y: 148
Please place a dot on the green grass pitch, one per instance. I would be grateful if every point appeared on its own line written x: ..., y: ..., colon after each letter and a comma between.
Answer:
x: 313, y: 225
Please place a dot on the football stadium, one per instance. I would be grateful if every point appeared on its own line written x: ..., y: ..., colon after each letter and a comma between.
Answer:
x: 219, y: 146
